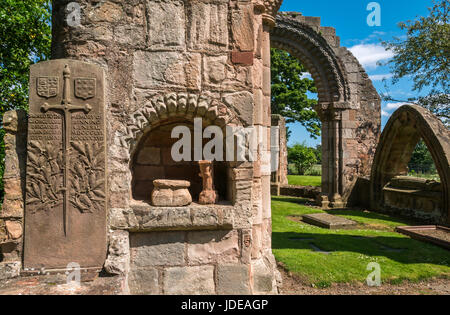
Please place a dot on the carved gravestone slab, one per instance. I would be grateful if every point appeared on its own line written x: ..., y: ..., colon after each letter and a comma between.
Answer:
x: 329, y: 221
x: 65, y: 210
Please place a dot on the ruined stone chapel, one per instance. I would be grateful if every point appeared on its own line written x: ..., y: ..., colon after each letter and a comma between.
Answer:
x: 84, y: 164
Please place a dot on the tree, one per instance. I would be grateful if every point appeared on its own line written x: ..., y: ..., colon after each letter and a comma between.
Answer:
x: 421, y: 159
x: 318, y: 153
x: 290, y: 90
x: 425, y: 57
x: 302, y: 156
x: 25, y: 38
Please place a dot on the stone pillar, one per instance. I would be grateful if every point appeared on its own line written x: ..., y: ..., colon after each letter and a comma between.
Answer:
x: 279, y: 177
x: 332, y: 157
x: 12, y: 211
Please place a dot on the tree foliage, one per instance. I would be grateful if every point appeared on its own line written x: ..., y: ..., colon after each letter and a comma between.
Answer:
x: 421, y: 160
x: 290, y: 90
x: 424, y: 55
x: 25, y: 38
x: 302, y: 156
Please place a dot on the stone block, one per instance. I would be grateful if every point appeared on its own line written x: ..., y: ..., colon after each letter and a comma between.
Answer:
x: 166, y: 29
x: 256, y: 241
x: 208, y: 247
x: 14, y: 229
x: 157, y: 249
x: 204, y: 217
x: 167, y: 218
x: 215, y: 69
x: 189, y: 280
x: 144, y: 281
x: 262, y: 276
x: 118, y: 260
x: 242, y: 103
x: 242, y: 28
x: 242, y: 58
x: 106, y: 12
x: 207, y: 26
x: 167, y: 68
x: 12, y: 208
x: 233, y: 279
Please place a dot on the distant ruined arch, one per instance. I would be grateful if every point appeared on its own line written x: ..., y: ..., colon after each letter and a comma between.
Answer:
x: 348, y: 105
x: 403, y: 131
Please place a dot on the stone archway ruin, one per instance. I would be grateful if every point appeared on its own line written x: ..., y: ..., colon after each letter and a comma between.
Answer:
x: 348, y: 104
x: 403, y: 131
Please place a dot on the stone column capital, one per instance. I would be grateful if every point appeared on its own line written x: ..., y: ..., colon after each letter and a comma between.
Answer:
x: 331, y: 111
x: 269, y: 8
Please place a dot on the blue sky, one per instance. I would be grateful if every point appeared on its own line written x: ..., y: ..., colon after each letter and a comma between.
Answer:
x: 349, y: 18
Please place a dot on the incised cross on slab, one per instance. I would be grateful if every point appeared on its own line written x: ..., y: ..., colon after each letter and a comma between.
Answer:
x: 66, y: 108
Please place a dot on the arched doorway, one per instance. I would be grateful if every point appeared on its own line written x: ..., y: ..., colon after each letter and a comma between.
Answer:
x: 348, y: 105
x: 403, y: 131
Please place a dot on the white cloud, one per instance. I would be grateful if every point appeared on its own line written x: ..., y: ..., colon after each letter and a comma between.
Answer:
x: 370, y: 54
x: 385, y: 113
x: 394, y: 106
x: 380, y: 77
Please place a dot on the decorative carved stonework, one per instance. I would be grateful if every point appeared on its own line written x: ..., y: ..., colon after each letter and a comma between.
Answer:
x: 171, y: 193
x: 65, y: 206
x: 270, y: 9
x: 209, y: 195
x: 47, y: 86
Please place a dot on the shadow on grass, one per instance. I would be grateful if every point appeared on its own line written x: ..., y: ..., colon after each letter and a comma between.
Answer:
x: 374, y: 216
x: 297, y: 200
x: 400, y: 249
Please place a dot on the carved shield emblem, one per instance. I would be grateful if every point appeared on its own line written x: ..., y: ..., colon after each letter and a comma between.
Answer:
x: 47, y: 86
x: 85, y: 88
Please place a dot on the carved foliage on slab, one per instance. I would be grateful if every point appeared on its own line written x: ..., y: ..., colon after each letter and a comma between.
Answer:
x: 45, y: 176
x: 87, y: 183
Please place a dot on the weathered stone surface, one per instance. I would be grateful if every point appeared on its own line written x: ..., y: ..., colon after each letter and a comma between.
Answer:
x: 193, y: 217
x: 144, y: 281
x: 171, y: 193
x: 208, y: 247
x: 66, y: 149
x: 189, y: 280
x: 158, y: 56
x: 13, y: 229
x: 208, y: 26
x: 166, y: 24
x: 262, y: 277
x: 106, y: 12
x: 167, y: 68
x: 415, y: 198
x: 157, y: 249
x: 118, y: 261
x: 12, y: 208
x: 9, y: 270
x: 233, y: 279
x: 242, y: 28
x: 242, y: 102
x: 328, y: 221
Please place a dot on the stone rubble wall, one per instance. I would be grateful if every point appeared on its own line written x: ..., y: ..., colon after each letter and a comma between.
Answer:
x: 12, y: 210
x: 150, y: 50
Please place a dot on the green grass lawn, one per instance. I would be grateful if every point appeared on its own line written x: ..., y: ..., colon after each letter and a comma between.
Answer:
x: 300, y: 180
x: 400, y: 257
